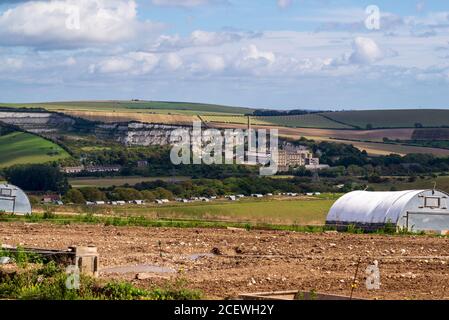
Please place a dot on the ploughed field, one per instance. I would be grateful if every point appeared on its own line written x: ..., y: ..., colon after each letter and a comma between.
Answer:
x: 411, y: 267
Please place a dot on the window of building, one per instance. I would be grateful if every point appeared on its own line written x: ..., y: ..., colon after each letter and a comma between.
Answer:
x: 432, y: 202
x: 6, y: 192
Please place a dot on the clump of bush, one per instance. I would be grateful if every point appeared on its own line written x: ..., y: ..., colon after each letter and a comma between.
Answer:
x: 48, y: 282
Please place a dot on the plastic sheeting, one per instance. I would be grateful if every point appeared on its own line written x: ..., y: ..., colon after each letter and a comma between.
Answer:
x: 379, y: 208
x: 14, y: 200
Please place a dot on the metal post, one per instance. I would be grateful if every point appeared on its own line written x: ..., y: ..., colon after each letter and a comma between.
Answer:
x: 355, y: 278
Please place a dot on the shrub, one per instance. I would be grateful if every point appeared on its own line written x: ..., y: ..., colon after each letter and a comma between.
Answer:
x: 49, y: 213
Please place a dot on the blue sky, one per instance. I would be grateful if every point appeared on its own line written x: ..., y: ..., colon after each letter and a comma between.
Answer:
x: 266, y: 53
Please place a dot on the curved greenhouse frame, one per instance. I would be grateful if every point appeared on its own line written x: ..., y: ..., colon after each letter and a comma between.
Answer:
x: 14, y: 200
x: 414, y: 210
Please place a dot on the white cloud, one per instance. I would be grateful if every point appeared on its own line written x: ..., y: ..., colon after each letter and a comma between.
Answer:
x: 253, y: 53
x: 172, y: 61
x: 284, y: 3
x: 185, y: 3
x: 54, y: 24
x: 201, y: 38
x: 209, y: 63
x: 366, y: 51
x: 133, y: 63
x: 10, y: 64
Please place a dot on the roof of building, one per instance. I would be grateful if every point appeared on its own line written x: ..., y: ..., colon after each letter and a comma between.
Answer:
x: 373, y: 207
x: 14, y: 200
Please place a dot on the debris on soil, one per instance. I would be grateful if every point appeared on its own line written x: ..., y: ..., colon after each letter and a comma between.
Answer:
x: 236, y: 229
x: 5, y: 260
x: 238, y: 250
x: 216, y: 251
x: 276, y: 260
x: 146, y: 276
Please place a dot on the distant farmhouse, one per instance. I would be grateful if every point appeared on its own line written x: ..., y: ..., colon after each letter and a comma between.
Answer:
x: 91, y: 169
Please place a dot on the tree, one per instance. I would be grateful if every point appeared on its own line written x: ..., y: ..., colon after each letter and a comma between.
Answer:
x: 148, y: 195
x: 127, y: 194
x: 93, y: 194
x: 74, y: 196
x: 162, y: 193
x: 37, y: 177
x: 354, y: 170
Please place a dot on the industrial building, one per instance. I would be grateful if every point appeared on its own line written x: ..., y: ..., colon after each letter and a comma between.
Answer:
x: 412, y: 210
x: 14, y: 200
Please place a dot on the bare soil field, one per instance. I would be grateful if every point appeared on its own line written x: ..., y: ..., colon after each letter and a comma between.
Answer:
x: 348, y: 136
x: 224, y: 263
x: 366, y: 135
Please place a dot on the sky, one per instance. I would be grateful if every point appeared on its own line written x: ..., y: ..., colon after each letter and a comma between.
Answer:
x: 279, y: 54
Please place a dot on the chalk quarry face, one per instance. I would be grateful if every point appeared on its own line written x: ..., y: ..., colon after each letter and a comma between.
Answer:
x: 130, y: 134
x: 37, y: 122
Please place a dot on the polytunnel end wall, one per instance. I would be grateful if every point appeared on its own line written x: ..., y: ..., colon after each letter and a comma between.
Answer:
x: 14, y: 200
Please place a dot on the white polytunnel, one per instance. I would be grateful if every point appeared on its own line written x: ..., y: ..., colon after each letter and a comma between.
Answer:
x: 14, y: 200
x: 412, y: 210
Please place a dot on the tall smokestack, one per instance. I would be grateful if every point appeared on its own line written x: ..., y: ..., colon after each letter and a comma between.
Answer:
x: 249, y: 134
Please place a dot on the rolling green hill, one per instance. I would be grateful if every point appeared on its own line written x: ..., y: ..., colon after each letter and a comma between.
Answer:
x: 295, y: 121
x: 392, y: 118
x: 25, y: 148
x: 140, y: 106
x: 304, y: 121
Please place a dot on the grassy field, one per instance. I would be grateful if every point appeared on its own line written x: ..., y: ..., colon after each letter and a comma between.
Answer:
x: 442, y: 183
x: 288, y: 212
x: 298, y: 121
x: 303, y: 121
x: 24, y: 148
x: 118, y: 181
x: 157, y: 106
x: 112, y: 117
x: 377, y: 149
x: 233, y: 119
x: 275, y: 211
x: 392, y: 118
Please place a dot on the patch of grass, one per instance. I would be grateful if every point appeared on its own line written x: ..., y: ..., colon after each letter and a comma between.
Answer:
x: 392, y: 118
x: 49, y: 213
x: 48, y: 282
x: 161, y: 106
x: 442, y: 183
x: 294, y: 211
x: 288, y: 212
x: 304, y: 121
x: 117, y: 181
x: 21, y: 257
x: 295, y: 121
x: 25, y: 148
x: 142, y: 221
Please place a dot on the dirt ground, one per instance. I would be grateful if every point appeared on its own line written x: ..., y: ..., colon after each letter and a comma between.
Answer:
x: 224, y: 263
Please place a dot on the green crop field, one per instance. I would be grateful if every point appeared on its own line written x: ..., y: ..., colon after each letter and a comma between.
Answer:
x: 118, y: 181
x: 139, y: 106
x: 442, y: 183
x: 25, y: 148
x: 298, y: 121
x: 392, y: 118
x: 300, y: 211
x: 303, y: 121
x: 234, y: 119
